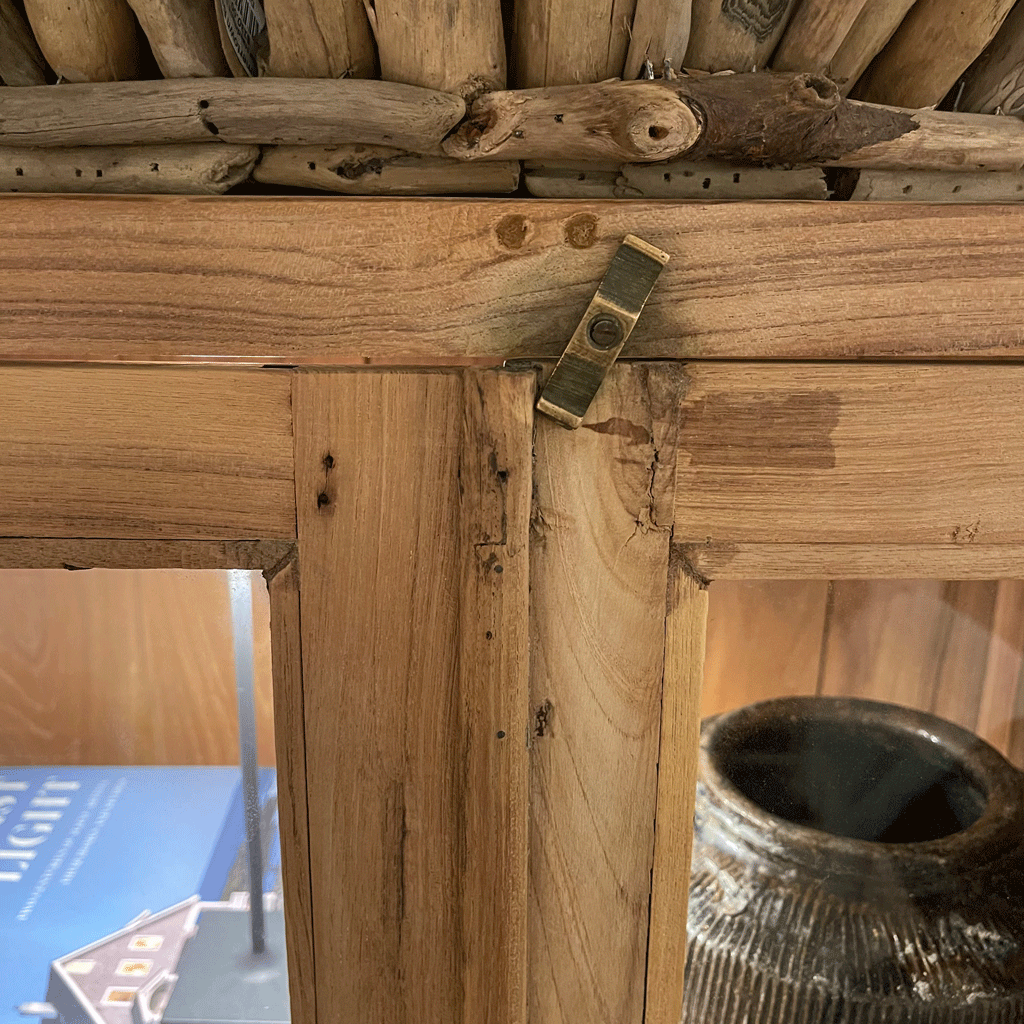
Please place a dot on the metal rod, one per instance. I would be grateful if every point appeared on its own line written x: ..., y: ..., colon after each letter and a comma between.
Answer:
x: 240, y: 585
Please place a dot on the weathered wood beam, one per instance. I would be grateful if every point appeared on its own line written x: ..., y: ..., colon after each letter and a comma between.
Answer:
x: 995, y: 81
x: 452, y: 45
x: 334, y: 280
x: 183, y: 36
x: 932, y: 186
x: 814, y: 34
x: 182, y: 170
x: 378, y: 170
x: 246, y: 111
x: 319, y: 39
x: 86, y: 40
x: 877, y: 21
x: 735, y: 35
x: 936, y: 42
x: 21, y: 61
x: 763, y: 119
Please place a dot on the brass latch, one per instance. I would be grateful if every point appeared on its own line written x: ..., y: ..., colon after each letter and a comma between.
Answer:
x: 608, y: 322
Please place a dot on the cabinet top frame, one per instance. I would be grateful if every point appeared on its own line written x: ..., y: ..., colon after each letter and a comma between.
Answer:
x: 434, y: 282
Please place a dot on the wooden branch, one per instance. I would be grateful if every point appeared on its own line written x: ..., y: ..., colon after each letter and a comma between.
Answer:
x: 319, y: 39
x: 735, y: 35
x: 86, y: 40
x: 815, y: 33
x: 932, y: 187
x: 21, y: 61
x: 567, y: 42
x: 377, y: 170
x: 874, y: 27
x: 765, y: 119
x: 452, y: 45
x: 995, y: 81
x: 661, y: 31
x: 183, y: 36
x: 934, y: 45
x: 195, y: 169
x: 251, y: 111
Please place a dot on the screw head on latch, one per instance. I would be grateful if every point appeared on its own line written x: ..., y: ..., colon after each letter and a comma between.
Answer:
x: 604, y: 332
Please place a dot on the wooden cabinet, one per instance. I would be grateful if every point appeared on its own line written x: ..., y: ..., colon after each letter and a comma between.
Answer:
x: 489, y: 632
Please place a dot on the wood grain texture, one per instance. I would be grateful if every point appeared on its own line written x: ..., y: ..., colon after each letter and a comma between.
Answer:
x: 148, y: 453
x: 764, y: 640
x: 599, y: 559
x: 343, y: 281
x: 124, y: 667
x: 565, y: 42
x: 79, y: 553
x: 379, y: 170
x: 183, y: 36
x: 455, y: 46
x: 877, y: 21
x: 319, y: 39
x: 685, y: 633
x: 817, y: 453
x: 954, y: 649
x: 936, y: 42
x: 164, y: 170
x: 660, y: 32
x: 292, y: 782
x: 402, y: 708
x: 769, y: 561
x: 86, y: 40
x: 934, y: 187
x: 995, y: 81
x: 245, y: 111
x: 814, y: 34
x: 495, y: 491
x: 21, y: 61
x: 735, y: 35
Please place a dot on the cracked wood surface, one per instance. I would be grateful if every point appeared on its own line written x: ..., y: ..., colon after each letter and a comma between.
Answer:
x: 413, y: 511
x: 850, y: 463
x: 154, y: 452
x: 602, y: 518
x: 433, y: 281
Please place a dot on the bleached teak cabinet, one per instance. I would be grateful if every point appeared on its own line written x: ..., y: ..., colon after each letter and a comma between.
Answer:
x: 487, y: 630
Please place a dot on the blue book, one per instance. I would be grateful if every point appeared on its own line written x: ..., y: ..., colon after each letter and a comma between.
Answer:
x: 106, y: 875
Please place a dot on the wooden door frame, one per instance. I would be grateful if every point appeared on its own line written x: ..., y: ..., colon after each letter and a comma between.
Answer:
x: 242, y: 468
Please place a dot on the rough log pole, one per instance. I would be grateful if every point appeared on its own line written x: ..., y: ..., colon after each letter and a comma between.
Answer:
x: 171, y: 170
x: 764, y: 119
x: 21, y: 61
x: 244, y: 110
x: 661, y: 31
x: 377, y: 170
x: 815, y: 33
x: 936, y: 42
x: 739, y: 35
x: 568, y: 42
x: 183, y: 36
x: 930, y: 187
x: 319, y: 39
x: 86, y: 40
x: 452, y: 45
x: 996, y: 79
x: 874, y: 27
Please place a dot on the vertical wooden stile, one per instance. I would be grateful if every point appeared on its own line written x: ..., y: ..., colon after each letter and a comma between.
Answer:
x: 417, y: 806
x: 290, y: 746
x: 598, y: 567
x: 685, y: 633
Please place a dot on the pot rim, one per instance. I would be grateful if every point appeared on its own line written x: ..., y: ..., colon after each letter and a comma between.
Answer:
x: 999, y: 827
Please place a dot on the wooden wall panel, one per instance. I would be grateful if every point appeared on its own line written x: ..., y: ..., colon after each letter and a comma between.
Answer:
x: 124, y: 667
x: 955, y: 649
x: 325, y: 280
x: 155, y: 452
x: 601, y: 525
x: 415, y: 740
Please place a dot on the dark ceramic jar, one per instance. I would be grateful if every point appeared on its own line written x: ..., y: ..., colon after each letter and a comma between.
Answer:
x: 854, y: 863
